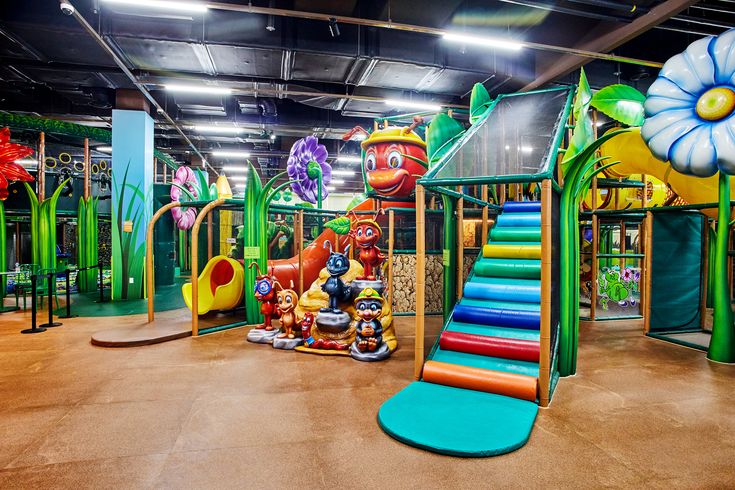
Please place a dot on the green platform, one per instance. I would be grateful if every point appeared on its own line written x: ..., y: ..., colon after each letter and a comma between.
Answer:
x: 88, y: 305
x: 457, y: 422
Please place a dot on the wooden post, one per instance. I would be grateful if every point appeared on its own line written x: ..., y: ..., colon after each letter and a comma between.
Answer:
x: 705, y: 274
x: 595, y: 265
x: 149, y: 271
x: 545, y: 333
x: 420, y: 280
x: 87, y: 167
x: 460, y: 246
x: 155, y: 170
x: 485, y: 212
x: 300, y: 247
x: 195, y: 263
x: 502, y: 194
x: 210, y: 235
x: 648, y: 260
x: 165, y: 172
x: 391, y: 238
x: 41, y: 173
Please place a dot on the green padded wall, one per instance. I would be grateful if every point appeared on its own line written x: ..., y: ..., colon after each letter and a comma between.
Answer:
x: 676, y: 271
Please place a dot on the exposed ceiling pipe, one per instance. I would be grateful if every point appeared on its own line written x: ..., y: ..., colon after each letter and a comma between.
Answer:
x: 609, y: 4
x: 383, y: 24
x: 704, y: 22
x: 103, y: 44
x: 566, y: 10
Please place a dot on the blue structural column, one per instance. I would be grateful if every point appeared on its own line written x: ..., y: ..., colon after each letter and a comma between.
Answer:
x: 132, y: 198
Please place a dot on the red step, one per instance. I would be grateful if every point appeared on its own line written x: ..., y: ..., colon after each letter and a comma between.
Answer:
x: 519, y: 350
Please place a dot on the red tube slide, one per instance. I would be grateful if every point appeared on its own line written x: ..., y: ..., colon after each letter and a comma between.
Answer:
x: 520, y: 350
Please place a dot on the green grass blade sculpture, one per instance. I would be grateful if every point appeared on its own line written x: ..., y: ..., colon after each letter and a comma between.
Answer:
x: 43, y: 227
x: 87, y: 243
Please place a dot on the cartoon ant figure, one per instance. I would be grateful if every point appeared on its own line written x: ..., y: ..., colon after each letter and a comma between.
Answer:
x: 287, y: 301
x: 337, y: 265
x: 306, y: 323
x: 266, y: 295
x: 366, y: 233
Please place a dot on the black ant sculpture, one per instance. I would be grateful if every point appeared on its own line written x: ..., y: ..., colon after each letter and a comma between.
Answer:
x: 337, y: 265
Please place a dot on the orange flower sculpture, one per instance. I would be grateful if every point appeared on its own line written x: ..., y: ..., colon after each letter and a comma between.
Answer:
x: 9, y: 170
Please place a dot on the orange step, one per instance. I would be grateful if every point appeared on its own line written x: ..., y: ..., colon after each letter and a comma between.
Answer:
x: 471, y: 378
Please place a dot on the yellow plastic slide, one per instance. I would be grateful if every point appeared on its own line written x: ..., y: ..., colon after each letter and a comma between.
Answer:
x: 635, y: 158
x: 221, y: 285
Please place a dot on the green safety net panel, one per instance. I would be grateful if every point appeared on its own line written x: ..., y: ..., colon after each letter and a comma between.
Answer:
x: 517, y: 139
x: 676, y: 272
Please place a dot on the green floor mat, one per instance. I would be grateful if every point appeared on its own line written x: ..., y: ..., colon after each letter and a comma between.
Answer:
x: 486, y: 362
x: 509, y: 305
x: 506, y: 333
x: 457, y: 422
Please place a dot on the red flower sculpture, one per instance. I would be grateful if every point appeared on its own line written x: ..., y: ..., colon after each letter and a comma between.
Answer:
x: 9, y: 170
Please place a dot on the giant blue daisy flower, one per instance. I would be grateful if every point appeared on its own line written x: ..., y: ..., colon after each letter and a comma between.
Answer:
x: 306, y: 159
x: 690, y: 108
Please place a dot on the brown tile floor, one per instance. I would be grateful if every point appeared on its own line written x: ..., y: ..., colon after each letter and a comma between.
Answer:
x: 217, y: 412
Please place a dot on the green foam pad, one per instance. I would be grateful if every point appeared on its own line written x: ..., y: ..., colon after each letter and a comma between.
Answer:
x: 457, y: 422
x: 486, y: 362
x: 510, y: 305
x: 520, y: 234
x: 489, y: 331
x: 515, y: 268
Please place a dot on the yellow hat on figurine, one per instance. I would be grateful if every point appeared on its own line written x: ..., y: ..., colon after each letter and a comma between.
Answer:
x: 369, y: 293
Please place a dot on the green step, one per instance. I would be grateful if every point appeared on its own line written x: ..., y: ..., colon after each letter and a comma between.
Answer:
x: 488, y: 331
x: 520, y: 234
x: 486, y: 362
x: 515, y: 268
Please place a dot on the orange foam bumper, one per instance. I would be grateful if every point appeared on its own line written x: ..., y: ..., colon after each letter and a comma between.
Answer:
x: 508, y: 384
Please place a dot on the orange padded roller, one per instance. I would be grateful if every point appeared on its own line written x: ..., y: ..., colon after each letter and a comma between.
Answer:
x: 508, y: 384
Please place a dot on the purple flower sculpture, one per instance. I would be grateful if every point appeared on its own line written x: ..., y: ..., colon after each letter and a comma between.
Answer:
x: 306, y: 160
x: 184, y: 216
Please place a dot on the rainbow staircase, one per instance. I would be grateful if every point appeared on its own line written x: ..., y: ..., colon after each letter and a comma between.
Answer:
x: 478, y: 394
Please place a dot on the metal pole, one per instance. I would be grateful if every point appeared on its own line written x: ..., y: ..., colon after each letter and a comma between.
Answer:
x: 68, y: 295
x: 102, y: 284
x: 51, y: 283
x: 34, y: 328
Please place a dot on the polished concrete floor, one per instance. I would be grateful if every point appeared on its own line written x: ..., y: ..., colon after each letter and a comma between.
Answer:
x: 217, y: 412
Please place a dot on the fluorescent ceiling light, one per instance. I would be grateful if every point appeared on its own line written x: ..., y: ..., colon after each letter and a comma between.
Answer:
x: 219, y: 129
x: 349, y: 159
x: 331, y: 188
x: 27, y: 161
x: 193, y: 7
x: 104, y: 149
x: 234, y: 168
x: 198, y: 89
x: 483, y: 41
x: 337, y: 181
x: 343, y: 172
x: 230, y: 153
x: 526, y: 149
x: 409, y: 104
x: 239, y: 178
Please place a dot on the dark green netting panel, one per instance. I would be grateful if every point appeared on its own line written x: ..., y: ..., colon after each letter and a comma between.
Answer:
x: 676, y: 272
x: 516, y: 136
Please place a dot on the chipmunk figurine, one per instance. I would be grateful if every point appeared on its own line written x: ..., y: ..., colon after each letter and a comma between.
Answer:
x: 287, y: 301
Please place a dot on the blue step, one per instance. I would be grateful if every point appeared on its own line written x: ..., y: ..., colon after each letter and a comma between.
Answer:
x: 501, y: 317
x: 519, y: 219
x: 522, y: 207
x: 502, y: 289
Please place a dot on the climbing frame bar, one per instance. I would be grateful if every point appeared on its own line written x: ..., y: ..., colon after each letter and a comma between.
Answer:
x: 460, y: 246
x: 149, y: 271
x: 545, y: 330
x: 648, y: 260
x: 195, y: 263
x: 391, y: 237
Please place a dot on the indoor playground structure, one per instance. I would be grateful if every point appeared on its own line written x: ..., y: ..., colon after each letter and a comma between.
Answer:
x: 507, y: 221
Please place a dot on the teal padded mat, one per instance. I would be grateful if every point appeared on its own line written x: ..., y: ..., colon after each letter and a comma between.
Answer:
x: 508, y: 333
x: 457, y: 422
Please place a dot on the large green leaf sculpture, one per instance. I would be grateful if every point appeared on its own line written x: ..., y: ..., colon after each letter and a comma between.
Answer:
x: 43, y: 227
x: 583, y: 132
x: 621, y: 103
x: 87, y: 243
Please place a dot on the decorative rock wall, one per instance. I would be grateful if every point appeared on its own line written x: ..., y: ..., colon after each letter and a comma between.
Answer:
x: 404, y: 282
